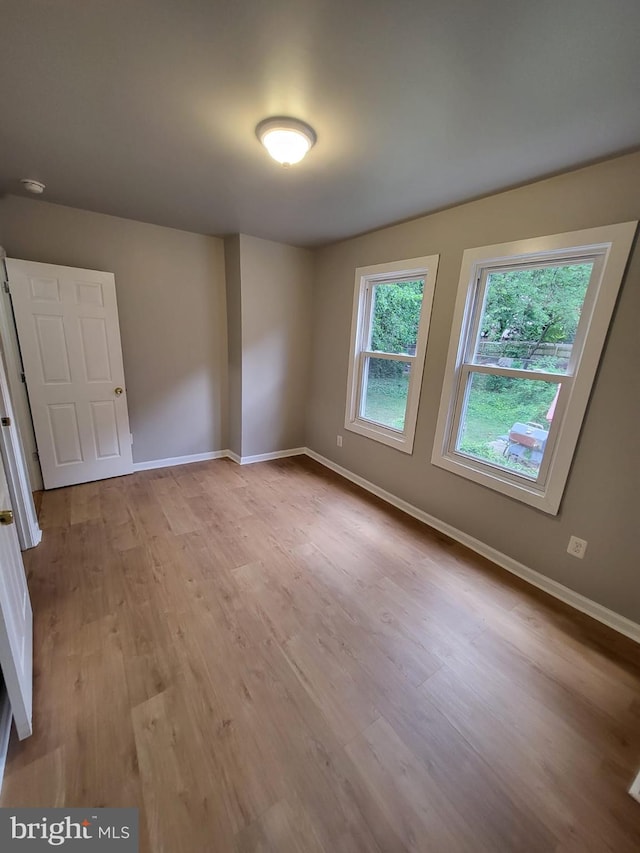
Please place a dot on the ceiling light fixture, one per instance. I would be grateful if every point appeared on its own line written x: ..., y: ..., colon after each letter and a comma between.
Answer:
x: 286, y: 139
x: 32, y: 186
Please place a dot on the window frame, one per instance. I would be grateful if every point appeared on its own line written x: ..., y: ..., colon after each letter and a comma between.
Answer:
x: 365, y: 279
x: 609, y: 247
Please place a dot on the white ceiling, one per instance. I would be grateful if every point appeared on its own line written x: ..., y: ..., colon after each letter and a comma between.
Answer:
x: 147, y: 108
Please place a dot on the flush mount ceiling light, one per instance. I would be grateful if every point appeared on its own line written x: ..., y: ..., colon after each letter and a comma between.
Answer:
x: 286, y: 139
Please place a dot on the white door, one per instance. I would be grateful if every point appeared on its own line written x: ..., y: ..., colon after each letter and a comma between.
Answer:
x: 67, y: 323
x: 15, y: 618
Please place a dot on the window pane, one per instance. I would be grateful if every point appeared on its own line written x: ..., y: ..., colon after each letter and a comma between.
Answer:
x: 530, y: 316
x: 506, y: 421
x: 384, y: 392
x: 395, y: 315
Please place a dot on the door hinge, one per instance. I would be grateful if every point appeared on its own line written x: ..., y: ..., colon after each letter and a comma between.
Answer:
x: 23, y: 378
x: 5, y: 421
x: 35, y: 455
x: 5, y: 287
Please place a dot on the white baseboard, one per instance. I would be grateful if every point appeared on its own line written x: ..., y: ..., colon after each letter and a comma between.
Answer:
x: 5, y: 730
x: 179, y: 460
x: 557, y: 590
x: 267, y: 457
x: 170, y: 461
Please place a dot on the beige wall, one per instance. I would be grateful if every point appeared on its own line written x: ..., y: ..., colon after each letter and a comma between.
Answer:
x: 171, y: 300
x: 602, y: 498
x: 234, y: 337
x: 276, y: 318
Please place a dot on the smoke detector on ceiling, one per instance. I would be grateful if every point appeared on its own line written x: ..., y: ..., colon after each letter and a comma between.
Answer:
x: 32, y: 186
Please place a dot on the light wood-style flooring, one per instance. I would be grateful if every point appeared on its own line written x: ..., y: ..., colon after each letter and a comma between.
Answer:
x: 266, y: 658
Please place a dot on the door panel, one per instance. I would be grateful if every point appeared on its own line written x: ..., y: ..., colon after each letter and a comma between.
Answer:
x: 46, y: 289
x: 65, y: 433
x: 89, y: 293
x: 95, y: 349
x: 67, y: 324
x: 52, y: 349
x: 15, y: 621
x: 105, y: 429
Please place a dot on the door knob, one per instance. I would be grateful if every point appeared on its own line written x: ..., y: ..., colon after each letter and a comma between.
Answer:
x: 6, y: 516
x: 117, y: 391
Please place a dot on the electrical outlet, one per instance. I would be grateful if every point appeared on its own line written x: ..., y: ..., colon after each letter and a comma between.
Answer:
x: 577, y: 547
x: 339, y: 440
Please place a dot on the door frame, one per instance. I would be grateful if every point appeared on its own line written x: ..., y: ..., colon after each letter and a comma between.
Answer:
x: 17, y: 441
x: 73, y: 309
x: 6, y: 718
x: 16, y: 635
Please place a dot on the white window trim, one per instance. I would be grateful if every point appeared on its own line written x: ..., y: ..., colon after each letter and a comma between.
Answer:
x: 611, y: 246
x: 427, y: 268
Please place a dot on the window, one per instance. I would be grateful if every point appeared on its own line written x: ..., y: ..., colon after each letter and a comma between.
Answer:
x: 391, y: 312
x: 529, y: 326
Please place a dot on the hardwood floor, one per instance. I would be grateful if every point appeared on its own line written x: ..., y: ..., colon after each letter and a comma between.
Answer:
x: 266, y: 658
